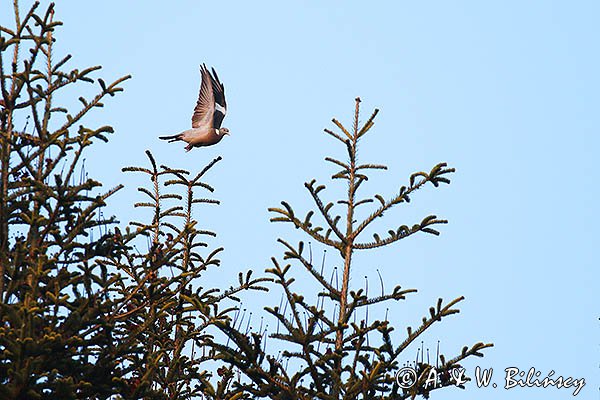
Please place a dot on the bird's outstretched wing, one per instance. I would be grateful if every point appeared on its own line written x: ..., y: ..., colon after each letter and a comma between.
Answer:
x: 219, y: 96
x: 205, y: 106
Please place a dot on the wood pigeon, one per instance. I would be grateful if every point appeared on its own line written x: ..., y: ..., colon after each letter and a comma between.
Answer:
x: 208, y: 114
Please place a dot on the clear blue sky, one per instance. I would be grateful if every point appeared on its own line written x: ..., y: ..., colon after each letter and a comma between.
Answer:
x: 505, y: 91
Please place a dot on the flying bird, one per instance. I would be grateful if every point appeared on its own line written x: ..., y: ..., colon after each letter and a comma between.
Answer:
x: 208, y: 114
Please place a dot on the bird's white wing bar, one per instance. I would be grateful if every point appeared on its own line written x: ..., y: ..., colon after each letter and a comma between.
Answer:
x: 220, y: 109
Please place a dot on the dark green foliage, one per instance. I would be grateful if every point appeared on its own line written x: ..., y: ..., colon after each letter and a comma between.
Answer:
x: 56, y: 334
x: 95, y: 318
x: 334, y: 355
x: 165, y: 318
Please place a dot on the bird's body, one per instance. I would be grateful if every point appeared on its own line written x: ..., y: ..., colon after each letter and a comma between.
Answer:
x: 208, y: 114
x: 197, y: 137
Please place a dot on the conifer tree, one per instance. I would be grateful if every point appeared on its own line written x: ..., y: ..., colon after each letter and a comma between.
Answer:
x: 164, y: 314
x: 88, y: 311
x: 56, y: 337
x: 328, y: 349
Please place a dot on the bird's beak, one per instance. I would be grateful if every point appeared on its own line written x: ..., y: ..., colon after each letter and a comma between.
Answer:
x: 228, y: 133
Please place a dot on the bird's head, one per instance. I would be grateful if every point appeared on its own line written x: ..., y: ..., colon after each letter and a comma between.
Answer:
x: 224, y: 131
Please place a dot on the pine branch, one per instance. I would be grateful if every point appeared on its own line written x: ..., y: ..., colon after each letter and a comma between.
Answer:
x: 435, y: 177
x: 297, y: 254
x: 403, y: 232
x: 436, y: 314
x: 324, y: 209
x: 306, y: 226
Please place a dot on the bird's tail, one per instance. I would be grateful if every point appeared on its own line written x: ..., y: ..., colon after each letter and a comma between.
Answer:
x: 173, y: 138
